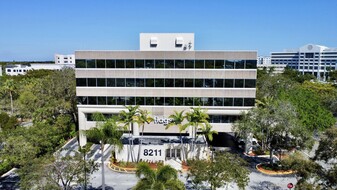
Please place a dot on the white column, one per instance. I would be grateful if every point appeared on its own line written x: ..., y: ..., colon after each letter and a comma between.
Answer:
x: 135, y: 130
x: 82, y: 120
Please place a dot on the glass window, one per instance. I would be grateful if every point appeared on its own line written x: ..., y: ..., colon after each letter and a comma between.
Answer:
x: 130, y: 100
x: 92, y: 100
x: 111, y: 100
x: 120, y: 82
x: 140, y: 101
x: 204, y: 100
x: 209, y: 64
x: 198, y: 83
x: 149, y: 64
x: 178, y: 101
x: 239, y: 64
x: 169, y: 64
x: 249, y: 102
x: 251, y: 64
x: 169, y: 101
x: 140, y: 83
x: 209, y: 83
x: 228, y: 101
x: 238, y: 101
x: 229, y: 83
x: 101, y: 100
x: 91, y: 63
x: 250, y: 83
x: 149, y: 101
x: 101, y: 82
x: 229, y: 64
x: 159, y: 64
x: 110, y: 82
x: 110, y: 64
x: 169, y: 82
x: 81, y: 82
x: 120, y: 63
x: 189, y: 64
x: 197, y: 102
x: 179, y: 64
x: 140, y: 63
x: 91, y: 81
x: 219, y: 64
x: 100, y: 63
x: 218, y: 83
x: 199, y: 64
x: 159, y: 101
x: 238, y: 83
x: 130, y: 63
x: 159, y: 82
x: 218, y: 102
x: 149, y: 82
x: 179, y: 82
x: 130, y: 82
x: 80, y: 63
x: 83, y: 100
x: 120, y: 100
x: 188, y: 82
x: 209, y: 102
x: 188, y: 101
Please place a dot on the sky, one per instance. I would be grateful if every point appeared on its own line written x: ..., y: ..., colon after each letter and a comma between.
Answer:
x: 34, y: 30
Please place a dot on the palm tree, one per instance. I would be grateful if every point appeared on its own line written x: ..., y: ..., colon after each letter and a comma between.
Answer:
x: 177, y: 120
x: 9, y: 87
x: 163, y: 178
x: 141, y: 118
x: 129, y: 118
x: 107, y: 131
x: 197, y: 118
x: 208, y: 132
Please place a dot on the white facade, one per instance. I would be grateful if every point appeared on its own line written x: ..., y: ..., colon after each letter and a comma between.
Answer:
x: 65, y: 59
x: 20, y: 69
x: 263, y: 60
x: 312, y: 59
x: 167, y: 42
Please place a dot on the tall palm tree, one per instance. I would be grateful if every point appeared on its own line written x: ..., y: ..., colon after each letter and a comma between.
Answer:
x: 129, y: 118
x: 208, y: 132
x: 107, y: 131
x: 141, y: 118
x: 163, y: 178
x: 197, y: 118
x: 10, y: 87
x: 177, y: 120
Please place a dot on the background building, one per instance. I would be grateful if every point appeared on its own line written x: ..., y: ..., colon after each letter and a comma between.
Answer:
x: 312, y: 59
x: 64, y: 59
x: 164, y: 76
x: 265, y: 62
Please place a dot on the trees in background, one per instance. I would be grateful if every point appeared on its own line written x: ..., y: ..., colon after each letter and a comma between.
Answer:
x: 224, y: 168
x: 165, y: 177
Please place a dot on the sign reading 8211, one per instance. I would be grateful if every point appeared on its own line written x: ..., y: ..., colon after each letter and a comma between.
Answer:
x: 152, y: 152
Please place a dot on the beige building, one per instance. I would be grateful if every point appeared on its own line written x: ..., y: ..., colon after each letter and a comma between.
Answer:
x: 166, y: 74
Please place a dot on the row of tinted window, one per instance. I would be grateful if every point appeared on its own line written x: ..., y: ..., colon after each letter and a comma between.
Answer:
x: 141, y: 82
x: 169, y: 64
x: 165, y: 101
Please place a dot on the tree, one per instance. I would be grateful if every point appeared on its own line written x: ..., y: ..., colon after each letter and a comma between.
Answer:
x: 9, y: 87
x: 177, y: 120
x: 59, y: 172
x: 129, y: 117
x: 196, y: 118
x: 141, y: 118
x: 107, y: 131
x: 225, y: 168
x: 165, y: 177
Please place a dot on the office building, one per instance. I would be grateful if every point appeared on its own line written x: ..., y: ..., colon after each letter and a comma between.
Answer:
x: 312, y: 59
x: 165, y: 75
x: 64, y: 59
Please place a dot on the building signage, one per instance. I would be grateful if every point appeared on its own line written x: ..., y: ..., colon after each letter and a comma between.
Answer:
x: 162, y: 120
x: 152, y: 153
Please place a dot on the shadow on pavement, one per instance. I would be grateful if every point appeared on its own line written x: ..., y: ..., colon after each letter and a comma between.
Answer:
x: 266, y: 185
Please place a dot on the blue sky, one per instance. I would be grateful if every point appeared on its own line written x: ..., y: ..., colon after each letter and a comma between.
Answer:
x: 37, y: 29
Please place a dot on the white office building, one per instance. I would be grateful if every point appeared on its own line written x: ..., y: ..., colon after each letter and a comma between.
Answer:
x: 164, y: 76
x: 64, y: 59
x: 312, y: 59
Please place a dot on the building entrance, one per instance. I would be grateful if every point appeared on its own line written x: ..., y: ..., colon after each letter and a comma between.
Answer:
x: 173, y: 153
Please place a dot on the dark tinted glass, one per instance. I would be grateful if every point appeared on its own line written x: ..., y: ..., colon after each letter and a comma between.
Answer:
x: 189, y: 64
x: 197, y: 102
x: 179, y: 64
x: 149, y: 101
x: 188, y: 82
x: 130, y: 82
x: 101, y: 100
x: 179, y: 82
x: 91, y: 81
x: 229, y: 83
x: 209, y: 83
x: 238, y: 101
x: 218, y: 83
x: 159, y: 101
x: 80, y: 63
x: 229, y: 64
x: 199, y: 64
x: 130, y: 100
x: 159, y: 82
x: 81, y: 82
x: 178, y: 101
x: 140, y: 63
x: 169, y: 64
x: 120, y: 100
x: 169, y: 101
x: 82, y: 100
x: 92, y: 100
x: 218, y: 102
x: 149, y: 82
x: 249, y: 102
x: 188, y: 101
x: 130, y: 63
x: 120, y: 82
x: 250, y: 83
x: 209, y: 102
x: 149, y: 64
x: 120, y: 63
x: 238, y: 83
x: 140, y: 83
x: 101, y: 82
x: 219, y: 64
x: 140, y: 101
x: 110, y: 64
x: 169, y: 82
x: 239, y: 64
x: 228, y: 101
x: 100, y: 63
x: 209, y: 64
x: 159, y: 64
x: 111, y: 100
x: 199, y: 83
x: 91, y: 63
x: 251, y: 64
x: 110, y: 82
